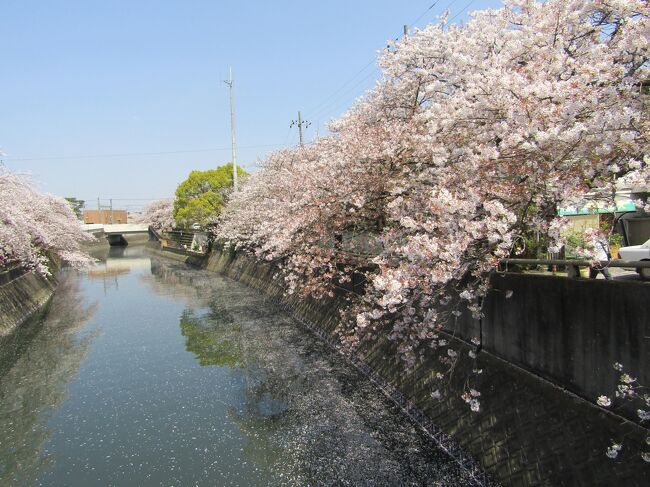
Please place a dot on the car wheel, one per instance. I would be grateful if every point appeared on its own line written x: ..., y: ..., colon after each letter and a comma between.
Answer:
x: 644, y: 272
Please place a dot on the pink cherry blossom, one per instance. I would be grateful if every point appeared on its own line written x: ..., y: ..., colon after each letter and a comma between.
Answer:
x: 159, y: 214
x: 36, y: 225
x: 473, y: 136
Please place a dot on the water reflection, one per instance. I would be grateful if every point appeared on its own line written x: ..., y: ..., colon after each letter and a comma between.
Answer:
x: 114, y: 262
x: 174, y: 280
x: 308, y: 418
x: 211, y: 346
x: 119, y: 260
x: 194, y: 380
x: 36, y: 364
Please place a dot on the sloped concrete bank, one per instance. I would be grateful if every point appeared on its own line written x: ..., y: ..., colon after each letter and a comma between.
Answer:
x: 23, y: 294
x: 178, y: 255
x: 531, y: 431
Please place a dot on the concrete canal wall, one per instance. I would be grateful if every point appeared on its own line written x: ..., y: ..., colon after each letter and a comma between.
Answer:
x: 22, y: 295
x: 545, y: 349
x: 570, y: 331
x: 179, y: 255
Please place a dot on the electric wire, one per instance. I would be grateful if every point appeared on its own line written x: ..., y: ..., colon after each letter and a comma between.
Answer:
x: 462, y: 10
x: 129, y: 154
x: 338, y: 102
x: 425, y: 12
x: 316, y: 108
x: 334, y: 100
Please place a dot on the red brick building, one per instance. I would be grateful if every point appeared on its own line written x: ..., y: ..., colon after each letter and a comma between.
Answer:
x: 105, y: 216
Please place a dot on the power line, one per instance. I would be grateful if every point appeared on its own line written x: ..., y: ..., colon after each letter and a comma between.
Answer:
x: 449, y: 5
x: 334, y: 99
x: 325, y: 107
x: 336, y: 103
x: 425, y: 12
x: 324, y: 102
x: 462, y: 10
x: 129, y: 154
x: 286, y: 138
x: 446, y: 7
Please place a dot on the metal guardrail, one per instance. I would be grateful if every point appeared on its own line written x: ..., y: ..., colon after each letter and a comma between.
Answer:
x: 573, y: 266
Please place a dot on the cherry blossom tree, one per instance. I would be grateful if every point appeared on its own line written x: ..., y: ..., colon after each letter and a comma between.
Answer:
x: 159, y: 214
x: 36, y: 225
x: 473, y: 136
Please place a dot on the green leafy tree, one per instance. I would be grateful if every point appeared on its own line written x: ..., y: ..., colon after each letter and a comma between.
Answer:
x: 77, y: 206
x: 203, y: 194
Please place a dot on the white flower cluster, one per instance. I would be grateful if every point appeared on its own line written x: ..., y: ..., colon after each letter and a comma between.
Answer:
x: 35, y: 224
x: 159, y: 214
x: 473, y: 135
x: 604, y: 401
x: 613, y: 450
x: 471, y: 398
x: 627, y: 390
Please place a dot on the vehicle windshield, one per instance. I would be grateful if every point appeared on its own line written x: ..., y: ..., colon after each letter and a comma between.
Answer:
x: 646, y: 245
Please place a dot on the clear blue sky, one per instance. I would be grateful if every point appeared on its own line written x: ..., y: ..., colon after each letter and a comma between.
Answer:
x: 84, y: 82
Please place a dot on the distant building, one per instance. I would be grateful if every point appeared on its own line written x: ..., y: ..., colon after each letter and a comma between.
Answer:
x: 628, y: 219
x: 105, y: 217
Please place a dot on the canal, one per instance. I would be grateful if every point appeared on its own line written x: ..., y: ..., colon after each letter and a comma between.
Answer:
x: 144, y: 372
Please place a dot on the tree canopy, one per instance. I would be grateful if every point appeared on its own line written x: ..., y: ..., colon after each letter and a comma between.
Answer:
x: 35, y: 225
x: 158, y: 214
x: 473, y: 136
x: 202, y: 196
x: 77, y: 206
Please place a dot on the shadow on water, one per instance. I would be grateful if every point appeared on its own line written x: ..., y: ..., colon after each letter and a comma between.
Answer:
x: 309, y: 418
x: 36, y: 364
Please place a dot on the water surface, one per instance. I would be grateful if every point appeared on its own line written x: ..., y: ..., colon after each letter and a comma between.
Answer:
x: 144, y: 372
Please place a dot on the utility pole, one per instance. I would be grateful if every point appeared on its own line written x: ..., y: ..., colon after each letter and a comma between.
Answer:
x: 302, y: 140
x: 232, y: 132
x: 300, y: 123
x: 406, y: 30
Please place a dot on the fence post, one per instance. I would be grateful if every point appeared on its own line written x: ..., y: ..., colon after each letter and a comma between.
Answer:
x: 573, y: 272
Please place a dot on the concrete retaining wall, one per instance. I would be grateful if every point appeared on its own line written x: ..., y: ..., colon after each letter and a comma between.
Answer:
x: 21, y: 297
x: 531, y: 431
x: 571, y: 331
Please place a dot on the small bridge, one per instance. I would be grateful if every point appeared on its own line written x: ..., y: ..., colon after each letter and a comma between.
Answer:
x: 115, y: 233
